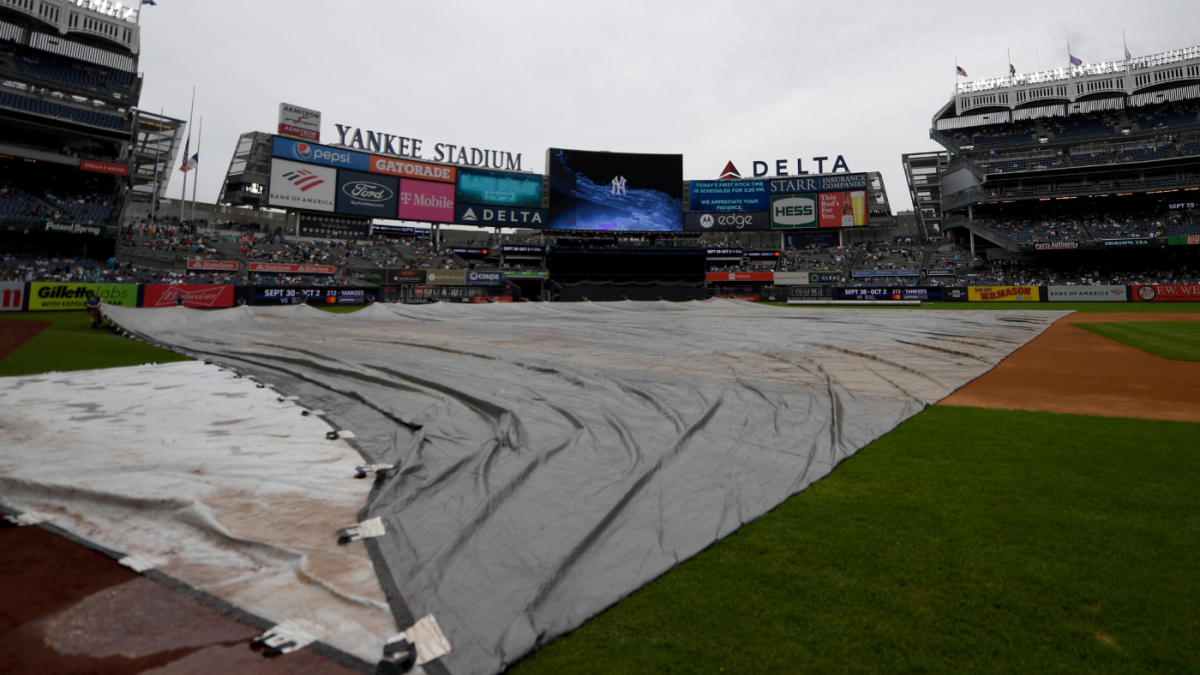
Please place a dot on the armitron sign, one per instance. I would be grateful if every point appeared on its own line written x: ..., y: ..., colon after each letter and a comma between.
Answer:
x: 299, y: 122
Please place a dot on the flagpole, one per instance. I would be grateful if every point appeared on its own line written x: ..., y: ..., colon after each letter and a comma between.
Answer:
x: 183, y: 193
x: 196, y: 178
x: 1125, y: 44
x: 157, y: 170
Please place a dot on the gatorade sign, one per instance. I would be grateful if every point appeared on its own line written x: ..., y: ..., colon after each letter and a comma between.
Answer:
x: 793, y: 211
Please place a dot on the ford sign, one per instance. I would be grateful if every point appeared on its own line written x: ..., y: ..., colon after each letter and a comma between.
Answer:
x: 373, y: 192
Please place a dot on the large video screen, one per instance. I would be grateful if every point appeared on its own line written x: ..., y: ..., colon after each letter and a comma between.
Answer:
x: 499, y: 188
x: 615, y: 191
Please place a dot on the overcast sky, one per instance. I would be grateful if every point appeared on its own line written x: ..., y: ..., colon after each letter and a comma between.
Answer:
x: 714, y: 81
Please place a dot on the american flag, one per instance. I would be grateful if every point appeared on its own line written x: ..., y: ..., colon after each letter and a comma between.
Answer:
x: 961, y: 72
x: 186, y: 148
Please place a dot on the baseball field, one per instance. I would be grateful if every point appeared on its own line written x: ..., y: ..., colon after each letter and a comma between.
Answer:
x: 1044, y: 518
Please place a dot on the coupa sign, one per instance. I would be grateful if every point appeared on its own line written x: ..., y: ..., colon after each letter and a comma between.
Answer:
x: 793, y: 211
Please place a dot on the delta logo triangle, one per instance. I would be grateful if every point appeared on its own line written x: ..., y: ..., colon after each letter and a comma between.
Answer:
x: 730, y: 172
x: 469, y: 214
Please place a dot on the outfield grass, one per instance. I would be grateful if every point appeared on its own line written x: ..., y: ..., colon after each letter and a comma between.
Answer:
x: 1081, y: 307
x: 72, y: 344
x: 1179, y: 340
x: 966, y: 541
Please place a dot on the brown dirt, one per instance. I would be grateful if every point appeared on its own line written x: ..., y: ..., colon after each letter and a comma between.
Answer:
x: 1070, y: 370
x: 65, y: 608
x: 13, y: 334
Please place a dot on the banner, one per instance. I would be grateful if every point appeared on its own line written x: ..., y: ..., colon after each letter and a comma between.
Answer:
x: 526, y: 274
x: 1095, y: 293
x: 292, y: 295
x: 837, y: 182
x: 1184, y: 240
x: 485, y: 278
x: 287, y: 268
x: 320, y: 154
x: 12, y: 296
x: 44, y: 296
x: 103, y: 167
x: 299, y: 122
x: 741, y: 276
x: 726, y: 222
x: 793, y: 211
x: 1056, y: 245
x: 71, y: 228
x: 939, y: 272
x: 163, y: 295
x: 334, y: 227
x: 427, y: 202
x: 213, y: 265
x: 499, y: 188
x: 896, y: 293
x: 405, y: 276
x: 407, y: 168
x: 824, y: 277
x: 1166, y: 293
x: 842, y: 209
x: 791, y: 278
x: 884, y: 273
x: 366, y: 194
x: 1003, y: 293
x: 729, y: 195
x: 499, y: 216
x: 302, y: 186
x: 446, y: 277
x: 1134, y: 241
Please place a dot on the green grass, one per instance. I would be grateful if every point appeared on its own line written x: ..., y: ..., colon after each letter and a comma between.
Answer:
x: 72, y: 344
x: 1179, y: 340
x: 966, y: 541
x: 1081, y: 307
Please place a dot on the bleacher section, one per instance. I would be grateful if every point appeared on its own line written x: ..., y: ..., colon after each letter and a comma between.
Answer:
x: 60, y: 111
x: 74, y: 75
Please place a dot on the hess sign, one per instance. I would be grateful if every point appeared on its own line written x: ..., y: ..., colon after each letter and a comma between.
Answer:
x: 793, y: 211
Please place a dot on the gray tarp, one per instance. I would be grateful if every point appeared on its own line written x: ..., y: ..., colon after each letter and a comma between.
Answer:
x: 556, y: 457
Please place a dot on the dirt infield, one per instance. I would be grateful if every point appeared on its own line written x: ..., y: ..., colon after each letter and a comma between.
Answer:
x: 13, y: 334
x: 1070, y: 370
x: 69, y: 609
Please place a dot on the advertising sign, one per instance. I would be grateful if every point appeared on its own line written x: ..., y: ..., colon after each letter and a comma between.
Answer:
x: 729, y: 195
x: 792, y: 211
x: 299, y: 122
x: 12, y: 296
x: 71, y: 228
x: 837, y: 182
x: 366, y: 194
x: 1003, y: 293
x: 103, y: 167
x: 425, y: 201
x: 499, y: 216
x: 726, y: 222
x: 163, y: 295
x: 405, y: 276
x: 939, y: 272
x: 499, y: 188
x: 791, y: 278
x: 1154, y: 293
x: 446, y: 277
x: 741, y: 276
x: 615, y: 191
x: 292, y: 295
x: 485, y: 278
x: 1133, y: 241
x: 1056, y: 245
x: 334, y: 227
x: 287, y: 268
x: 301, y: 151
x: 526, y: 274
x: 895, y: 293
x: 213, y: 265
x: 842, y: 209
x: 1184, y: 240
x: 401, y: 230
x: 1095, y: 293
x: 521, y: 248
x: 869, y: 274
x: 53, y: 295
x: 407, y: 168
x: 824, y: 277
x: 302, y: 186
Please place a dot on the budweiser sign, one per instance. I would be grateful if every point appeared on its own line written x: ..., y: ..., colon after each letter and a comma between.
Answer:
x: 282, y: 268
x: 162, y: 295
x: 213, y: 265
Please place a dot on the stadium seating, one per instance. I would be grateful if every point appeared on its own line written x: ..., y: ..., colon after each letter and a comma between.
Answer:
x: 58, y: 110
x: 74, y: 75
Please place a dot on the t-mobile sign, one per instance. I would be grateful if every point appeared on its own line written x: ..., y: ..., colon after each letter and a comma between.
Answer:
x: 427, y: 202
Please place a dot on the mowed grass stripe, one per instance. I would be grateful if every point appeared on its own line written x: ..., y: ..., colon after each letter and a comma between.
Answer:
x: 1179, y: 340
x: 965, y: 541
x: 72, y: 344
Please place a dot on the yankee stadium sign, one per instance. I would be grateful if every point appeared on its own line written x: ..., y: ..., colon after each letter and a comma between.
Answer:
x: 404, y: 146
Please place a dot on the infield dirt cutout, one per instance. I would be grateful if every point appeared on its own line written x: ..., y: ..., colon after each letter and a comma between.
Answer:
x: 1070, y: 370
x: 14, y: 333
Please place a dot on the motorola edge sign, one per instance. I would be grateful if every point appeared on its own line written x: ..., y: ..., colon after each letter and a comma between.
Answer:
x: 726, y: 222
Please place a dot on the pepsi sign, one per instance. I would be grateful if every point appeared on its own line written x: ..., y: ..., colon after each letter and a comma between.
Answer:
x: 367, y: 194
x: 313, y: 153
